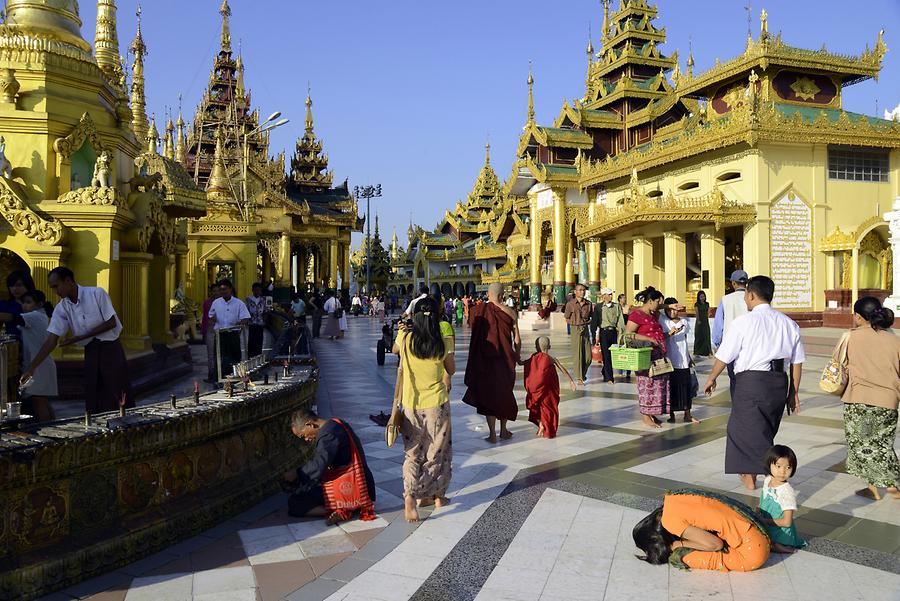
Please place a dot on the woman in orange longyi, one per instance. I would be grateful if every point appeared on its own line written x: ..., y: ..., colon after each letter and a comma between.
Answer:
x: 704, y: 531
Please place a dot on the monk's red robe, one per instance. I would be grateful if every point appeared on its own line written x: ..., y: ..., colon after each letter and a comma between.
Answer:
x: 542, y: 392
x: 491, y: 365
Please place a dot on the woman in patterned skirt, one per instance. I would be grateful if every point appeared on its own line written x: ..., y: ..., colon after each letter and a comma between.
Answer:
x: 427, y: 363
x: 643, y: 326
x: 871, y: 398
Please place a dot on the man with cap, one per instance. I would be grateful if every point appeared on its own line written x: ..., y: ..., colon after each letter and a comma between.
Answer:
x: 607, y: 324
x: 765, y: 348
x: 578, y: 317
x: 730, y: 308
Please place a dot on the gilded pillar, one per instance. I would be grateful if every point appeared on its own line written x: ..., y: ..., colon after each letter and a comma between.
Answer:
x: 643, y: 263
x: 560, y: 246
x: 333, y: 263
x: 854, y: 278
x: 675, y: 267
x: 42, y: 260
x: 346, y: 274
x: 712, y: 264
x: 134, y: 312
x: 284, y: 258
x: 534, y: 262
x: 593, y: 258
x: 615, y: 266
x: 571, y: 253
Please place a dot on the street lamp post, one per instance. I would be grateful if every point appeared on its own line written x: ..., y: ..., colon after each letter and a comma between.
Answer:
x: 266, y: 126
x: 368, y: 192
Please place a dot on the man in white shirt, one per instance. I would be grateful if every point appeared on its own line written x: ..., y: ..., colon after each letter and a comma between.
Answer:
x: 423, y: 292
x: 768, y: 357
x: 256, y: 307
x: 228, y: 311
x: 730, y: 308
x: 87, y: 313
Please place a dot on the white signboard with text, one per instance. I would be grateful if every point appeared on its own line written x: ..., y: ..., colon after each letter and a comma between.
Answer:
x: 790, y: 245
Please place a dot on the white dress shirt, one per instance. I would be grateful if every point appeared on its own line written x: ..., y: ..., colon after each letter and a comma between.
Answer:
x: 228, y: 314
x: 93, y: 308
x: 676, y: 346
x: 759, y: 337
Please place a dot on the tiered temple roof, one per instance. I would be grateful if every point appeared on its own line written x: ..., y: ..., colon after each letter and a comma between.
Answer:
x: 309, y: 165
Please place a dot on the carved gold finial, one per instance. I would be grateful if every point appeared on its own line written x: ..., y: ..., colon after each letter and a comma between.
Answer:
x: 530, y: 95
x: 153, y: 137
x: 180, y: 141
x: 139, y: 121
x: 309, y: 115
x: 604, y: 36
x: 106, y: 40
x: 225, y: 11
x: 487, y: 153
x: 763, y: 24
x: 690, y: 61
x: 169, y: 141
x: 217, y: 185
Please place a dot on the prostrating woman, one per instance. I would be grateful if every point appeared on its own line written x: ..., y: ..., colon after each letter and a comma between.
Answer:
x: 700, y: 530
x: 426, y: 363
x: 643, y: 325
x: 871, y: 398
x: 702, y: 343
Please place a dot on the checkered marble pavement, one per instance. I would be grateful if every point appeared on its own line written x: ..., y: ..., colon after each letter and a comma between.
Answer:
x: 529, y: 518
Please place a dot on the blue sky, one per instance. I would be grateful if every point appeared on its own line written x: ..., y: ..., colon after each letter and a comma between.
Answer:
x: 406, y: 92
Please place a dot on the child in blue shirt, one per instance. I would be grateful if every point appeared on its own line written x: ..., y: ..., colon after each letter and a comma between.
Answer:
x: 778, y: 502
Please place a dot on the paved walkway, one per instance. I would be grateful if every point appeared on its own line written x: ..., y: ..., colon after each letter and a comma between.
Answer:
x: 531, y: 519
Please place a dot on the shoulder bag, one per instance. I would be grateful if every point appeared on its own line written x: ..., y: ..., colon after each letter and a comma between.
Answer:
x: 835, y: 375
x: 661, y: 367
x: 392, y: 429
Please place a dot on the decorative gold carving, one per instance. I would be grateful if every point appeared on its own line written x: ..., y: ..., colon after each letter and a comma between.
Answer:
x: 45, y: 230
x: 805, y: 88
x: 93, y: 196
x: 84, y: 129
x: 9, y: 86
x: 837, y: 240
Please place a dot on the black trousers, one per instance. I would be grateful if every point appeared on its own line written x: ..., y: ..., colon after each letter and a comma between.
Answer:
x: 756, y: 410
x: 255, y: 340
x: 608, y: 337
x: 105, y: 376
x: 301, y: 503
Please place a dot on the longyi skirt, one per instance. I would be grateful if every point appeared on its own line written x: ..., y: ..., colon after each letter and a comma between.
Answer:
x: 870, y: 435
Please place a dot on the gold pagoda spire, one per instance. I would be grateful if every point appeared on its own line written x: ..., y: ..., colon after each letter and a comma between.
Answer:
x: 239, y: 65
x: 530, y: 95
x: 763, y: 25
x: 180, y: 141
x: 153, y: 137
x: 590, y: 62
x: 225, y: 11
x: 168, y: 140
x: 138, y: 100
x: 106, y: 40
x: 309, y: 115
x: 217, y: 186
x: 604, y: 36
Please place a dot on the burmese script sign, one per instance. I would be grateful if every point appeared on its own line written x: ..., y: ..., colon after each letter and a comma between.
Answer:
x: 790, y: 244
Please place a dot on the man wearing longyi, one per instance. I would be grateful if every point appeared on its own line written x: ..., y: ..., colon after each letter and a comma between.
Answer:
x: 87, y: 312
x: 768, y: 361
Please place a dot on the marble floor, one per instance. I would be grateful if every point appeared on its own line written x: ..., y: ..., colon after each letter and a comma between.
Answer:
x: 530, y: 518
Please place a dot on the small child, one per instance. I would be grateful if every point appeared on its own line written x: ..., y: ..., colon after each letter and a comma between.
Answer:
x: 778, y: 501
x: 542, y: 388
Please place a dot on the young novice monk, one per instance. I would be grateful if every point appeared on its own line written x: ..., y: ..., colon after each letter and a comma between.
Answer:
x: 542, y: 388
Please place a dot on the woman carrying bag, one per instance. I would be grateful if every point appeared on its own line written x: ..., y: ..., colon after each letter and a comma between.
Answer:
x: 643, y: 326
x: 426, y: 365
x: 871, y: 398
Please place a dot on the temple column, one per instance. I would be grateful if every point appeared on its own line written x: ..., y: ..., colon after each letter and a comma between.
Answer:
x: 42, y: 260
x: 134, y: 312
x: 267, y: 268
x: 893, y: 219
x: 560, y: 246
x: 675, y: 272
x: 643, y: 263
x: 712, y: 264
x: 534, y: 263
x: 593, y: 258
x: 284, y: 270
x: 333, y: 264
x: 615, y: 266
x: 854, y: 276
x: 345, y: 270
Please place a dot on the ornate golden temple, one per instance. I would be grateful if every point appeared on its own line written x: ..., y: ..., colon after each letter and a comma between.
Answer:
x: 87, y: 181
x: 660, y: 176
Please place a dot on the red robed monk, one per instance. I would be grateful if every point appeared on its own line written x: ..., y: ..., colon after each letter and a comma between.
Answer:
x: 542, y: 388
x: 491, y: 367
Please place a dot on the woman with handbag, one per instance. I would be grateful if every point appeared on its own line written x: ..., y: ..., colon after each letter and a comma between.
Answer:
x: 679, y: 355
x: 426, y: 365
x: 644, y: 329
x: 871, y: 398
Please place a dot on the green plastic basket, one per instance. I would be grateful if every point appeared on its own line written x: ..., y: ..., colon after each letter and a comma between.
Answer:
x: 630, y: 359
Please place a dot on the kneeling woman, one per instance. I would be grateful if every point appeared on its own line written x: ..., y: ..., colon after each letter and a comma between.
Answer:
x: 704, y: 531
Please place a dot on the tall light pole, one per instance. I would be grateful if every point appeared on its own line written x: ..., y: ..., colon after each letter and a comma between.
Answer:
x: 368, y: 192
x: 266, y: 126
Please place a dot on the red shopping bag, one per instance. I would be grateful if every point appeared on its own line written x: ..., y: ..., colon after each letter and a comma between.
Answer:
x: 345, y: 489
x: 597, y: 354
